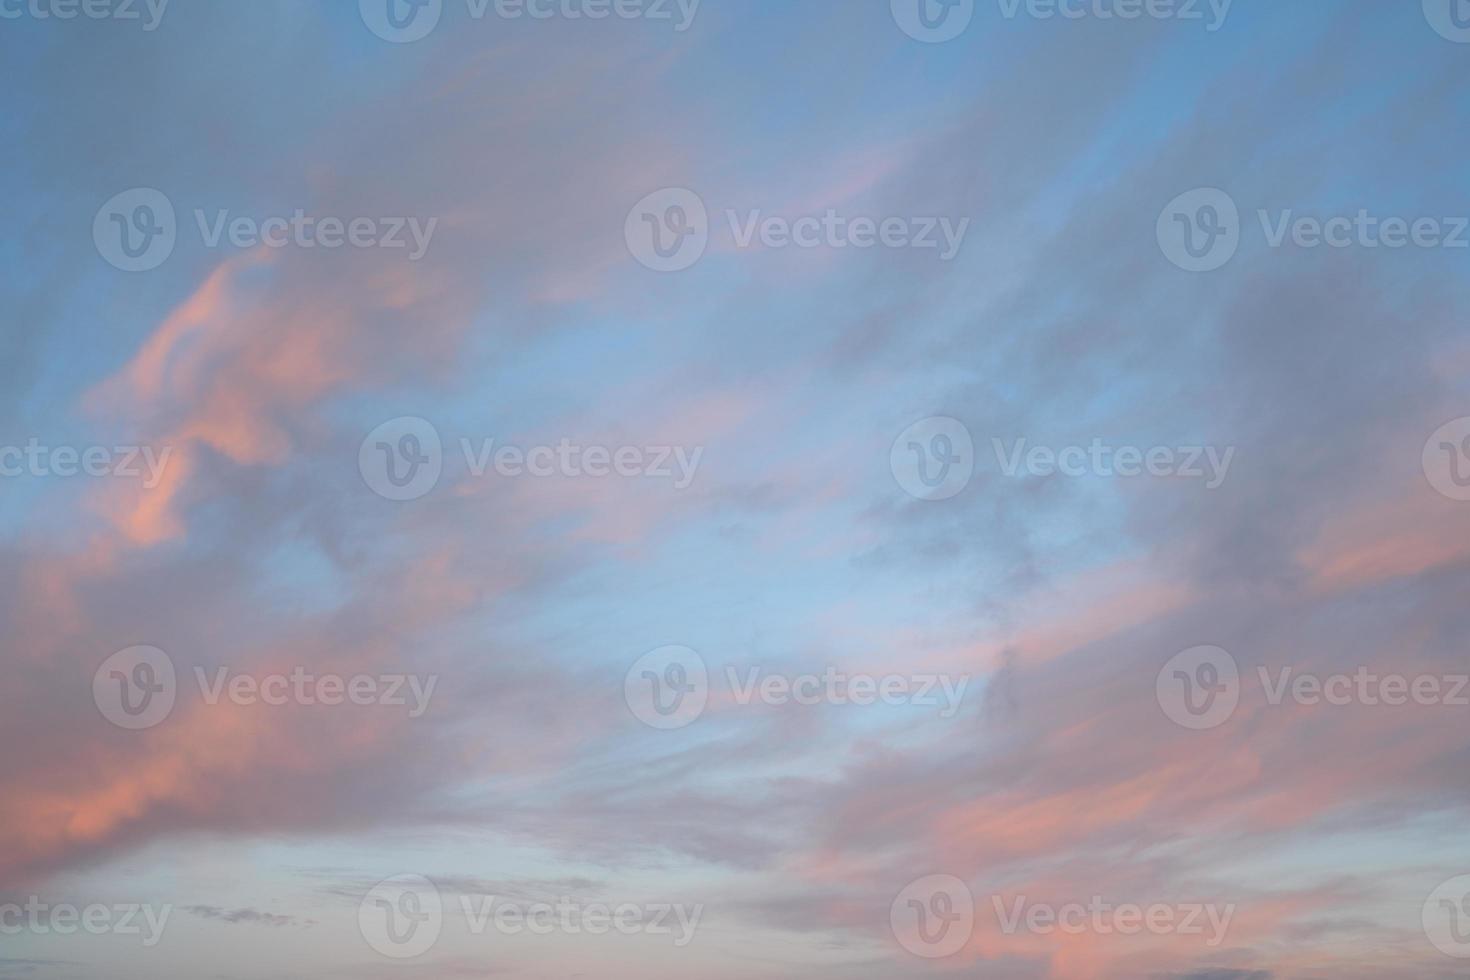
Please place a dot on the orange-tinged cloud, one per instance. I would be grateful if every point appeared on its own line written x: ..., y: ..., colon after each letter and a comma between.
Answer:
x: 1414, y: 532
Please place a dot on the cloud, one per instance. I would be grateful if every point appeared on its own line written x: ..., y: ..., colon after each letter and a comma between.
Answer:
x: 247, y: 917
x: 262, y: 552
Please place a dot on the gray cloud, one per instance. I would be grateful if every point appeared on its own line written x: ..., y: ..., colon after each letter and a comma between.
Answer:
x: 247, y: 917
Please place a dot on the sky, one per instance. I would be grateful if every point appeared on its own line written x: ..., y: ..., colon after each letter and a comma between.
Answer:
x: 861, y: 489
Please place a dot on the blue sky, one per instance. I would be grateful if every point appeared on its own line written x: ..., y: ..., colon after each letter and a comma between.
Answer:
x: 274, y: 384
